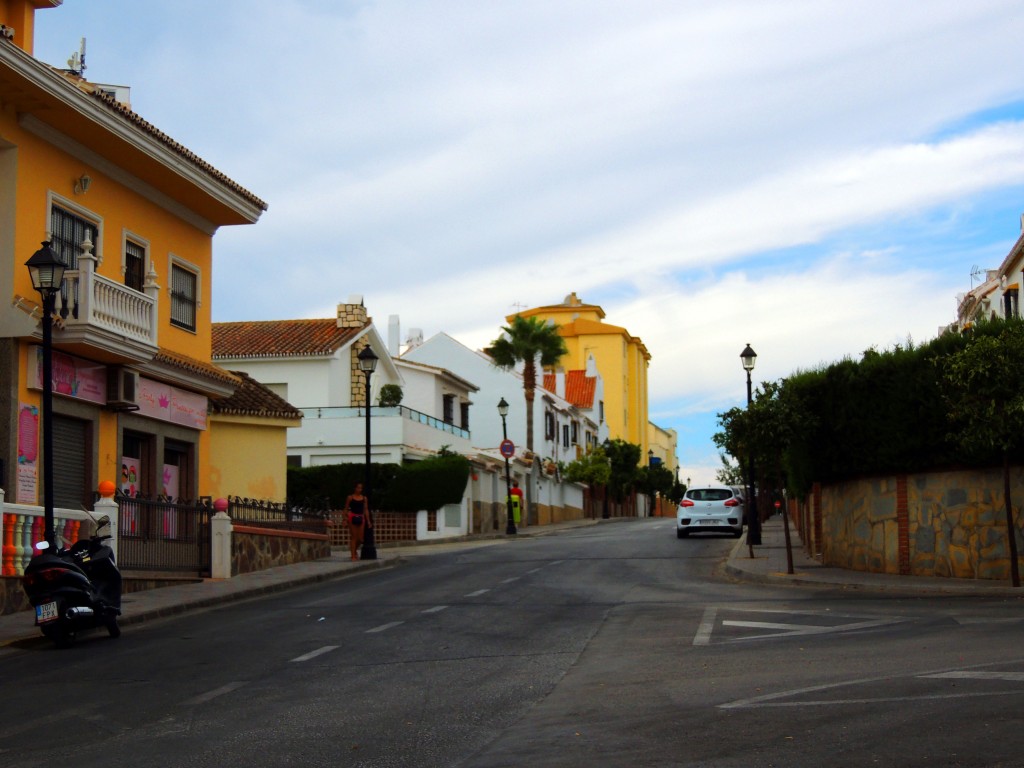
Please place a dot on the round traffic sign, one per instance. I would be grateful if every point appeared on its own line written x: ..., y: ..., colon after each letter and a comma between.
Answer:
x: 508, y: 449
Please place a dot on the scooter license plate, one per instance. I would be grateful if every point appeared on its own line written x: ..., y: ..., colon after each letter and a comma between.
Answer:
x: 46, y: 612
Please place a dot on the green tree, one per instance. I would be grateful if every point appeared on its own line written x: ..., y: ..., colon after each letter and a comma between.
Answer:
x: 985, y: 398
x: 729, y: 473
x: 390, y: 396
x: 524, y: 340
x: 624, y: 460
x: 593, y: 468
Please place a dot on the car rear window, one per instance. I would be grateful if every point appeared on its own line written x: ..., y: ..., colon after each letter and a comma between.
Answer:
x: 710, y: 494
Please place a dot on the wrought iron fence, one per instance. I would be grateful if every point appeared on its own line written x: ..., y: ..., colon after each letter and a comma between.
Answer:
x: 163, y: 534
x: 311, y: 517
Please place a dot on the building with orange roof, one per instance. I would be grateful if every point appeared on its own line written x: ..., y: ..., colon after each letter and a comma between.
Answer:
x: 621, y: 357
x: 132, y: 213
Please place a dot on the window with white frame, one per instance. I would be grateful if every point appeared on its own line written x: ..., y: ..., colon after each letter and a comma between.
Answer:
x: 134, y: 264
x: 184, y: 295
x: 68, y: 230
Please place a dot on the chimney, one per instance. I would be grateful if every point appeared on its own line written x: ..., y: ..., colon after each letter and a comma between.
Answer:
x: 393, y: 335
x: 352, y: 314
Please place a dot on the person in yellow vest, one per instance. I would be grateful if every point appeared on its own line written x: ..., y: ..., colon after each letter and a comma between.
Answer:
x: 516, y: 495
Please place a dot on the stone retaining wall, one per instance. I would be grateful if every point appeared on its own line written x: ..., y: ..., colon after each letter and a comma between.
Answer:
x: 257, y: 549
x: 949, y: 524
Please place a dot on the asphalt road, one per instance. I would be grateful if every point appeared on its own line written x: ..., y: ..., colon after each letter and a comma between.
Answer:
x: 613, y: 645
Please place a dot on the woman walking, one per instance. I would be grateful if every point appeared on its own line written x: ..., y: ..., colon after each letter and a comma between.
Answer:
x: 356, y: 512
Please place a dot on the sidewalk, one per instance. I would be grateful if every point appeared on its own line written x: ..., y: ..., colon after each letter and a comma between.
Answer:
x: 768, y: 566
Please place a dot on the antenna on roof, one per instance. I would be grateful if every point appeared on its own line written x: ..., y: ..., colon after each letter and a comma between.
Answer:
x: 76, y: 64
x: 976, y: 273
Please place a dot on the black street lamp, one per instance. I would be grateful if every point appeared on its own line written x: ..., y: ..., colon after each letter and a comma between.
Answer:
x: 748, y: 357
x: 510, y: 526
x: 367, y: 364
x: 47, y: 271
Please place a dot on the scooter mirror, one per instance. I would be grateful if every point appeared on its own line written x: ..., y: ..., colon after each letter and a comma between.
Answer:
x: 104, y: 520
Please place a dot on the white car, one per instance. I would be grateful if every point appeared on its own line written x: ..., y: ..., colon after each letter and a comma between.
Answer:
x: 711, y: 508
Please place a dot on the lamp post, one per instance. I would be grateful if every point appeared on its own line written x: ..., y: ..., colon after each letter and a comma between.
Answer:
x: 510, y: 526
x: 367, y: 364
x: 47, y: 272
x: 748, y: 357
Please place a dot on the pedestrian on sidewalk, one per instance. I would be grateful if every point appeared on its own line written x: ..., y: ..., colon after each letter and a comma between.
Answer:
x: 355, y: 512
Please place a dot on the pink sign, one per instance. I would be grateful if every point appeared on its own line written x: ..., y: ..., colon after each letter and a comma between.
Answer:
x: 72, y: 376
x: 167, y: 403
x: 28, y: 453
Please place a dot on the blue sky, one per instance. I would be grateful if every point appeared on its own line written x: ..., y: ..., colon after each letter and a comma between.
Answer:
x: 813, y: 177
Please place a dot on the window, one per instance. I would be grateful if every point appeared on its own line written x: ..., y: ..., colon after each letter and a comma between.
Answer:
x: 1011, y: 308
x: 565, y: 435
x: 175, y: 475
x: 575, y: 432
x: 184, y: 301
x: 67, y: 233
x: 465, y: 415
x: 549, y: 425
x: 134, y: 265
x: 449, y: 409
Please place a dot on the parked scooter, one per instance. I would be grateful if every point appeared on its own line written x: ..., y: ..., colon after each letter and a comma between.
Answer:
x: 75, y: 589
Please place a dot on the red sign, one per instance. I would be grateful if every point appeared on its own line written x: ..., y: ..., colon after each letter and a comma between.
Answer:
x: 508, y: 449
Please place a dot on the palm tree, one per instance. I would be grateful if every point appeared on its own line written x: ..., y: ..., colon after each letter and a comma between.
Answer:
x: 523, y: 340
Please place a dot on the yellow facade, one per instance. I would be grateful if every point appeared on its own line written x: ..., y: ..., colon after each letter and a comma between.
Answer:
x: 622, y: 359
x: 664, y: 445
x: 247, y: 457
x: 74, y: 161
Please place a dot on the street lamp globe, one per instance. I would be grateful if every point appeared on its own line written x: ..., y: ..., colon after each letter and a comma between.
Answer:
x: 748, y: 357
x: 46, y: 270
x: 367, y: 360
x: 502, y: 408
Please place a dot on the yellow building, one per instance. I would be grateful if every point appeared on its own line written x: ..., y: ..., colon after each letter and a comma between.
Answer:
x: 621, y: 358
x: 132, y: 213
x: 664, y: 444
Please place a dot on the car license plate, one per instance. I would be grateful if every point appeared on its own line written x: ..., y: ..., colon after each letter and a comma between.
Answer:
x: 46, y: 612
x: 709, y: 522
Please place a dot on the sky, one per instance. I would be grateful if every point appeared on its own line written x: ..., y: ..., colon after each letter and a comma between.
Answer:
x: 813, y: 177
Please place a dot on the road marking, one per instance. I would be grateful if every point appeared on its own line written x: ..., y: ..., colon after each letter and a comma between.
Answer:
x: 314, y: 654
x: 509, y: 581
x: 203, y: 698
x: 478, y: 593
x: 435, y: 609
x: 707, y: 624
x: 535, y: 570
x: 1016, y: 677
x: 772, y: 699
x: 783, y: 629
x: 385, y: 627
x: 556, y: 562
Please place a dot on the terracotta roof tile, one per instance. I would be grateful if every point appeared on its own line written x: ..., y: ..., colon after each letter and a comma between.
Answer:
x: 192, y: 365
x: 180, y: 149
x: 579, y: 388
x: 279, y: 338
x: 253, y: 399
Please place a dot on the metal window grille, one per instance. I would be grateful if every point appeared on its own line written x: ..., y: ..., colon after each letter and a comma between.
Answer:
x: 449, y: 409
x: 67, y: 233
x: 134, y: 265
x: 183, y: 298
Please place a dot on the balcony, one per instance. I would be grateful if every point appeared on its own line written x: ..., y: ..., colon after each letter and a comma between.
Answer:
x: 396, y: 431
x: 101, y: 314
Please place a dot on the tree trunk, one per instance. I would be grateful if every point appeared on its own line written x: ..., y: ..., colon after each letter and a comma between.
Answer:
x: 529, y: 386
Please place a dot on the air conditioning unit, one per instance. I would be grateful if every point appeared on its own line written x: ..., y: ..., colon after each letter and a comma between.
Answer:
x: 122, y: 389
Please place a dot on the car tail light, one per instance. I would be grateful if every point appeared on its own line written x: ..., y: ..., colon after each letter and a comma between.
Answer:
x: 732, y: 503
x: 686, y: 503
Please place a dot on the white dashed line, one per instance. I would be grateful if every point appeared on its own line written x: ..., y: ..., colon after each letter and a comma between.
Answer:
x: 509, y: 581
x: 314, y: 654
x: 1015, y: 677
x: 435, y: 609
x: 203, y: 698
x: 384, y: 627
x: 478, y: 593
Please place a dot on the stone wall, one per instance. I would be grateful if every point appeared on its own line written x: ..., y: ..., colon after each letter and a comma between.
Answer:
x: 256, y: 549
x: 949, y: 524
